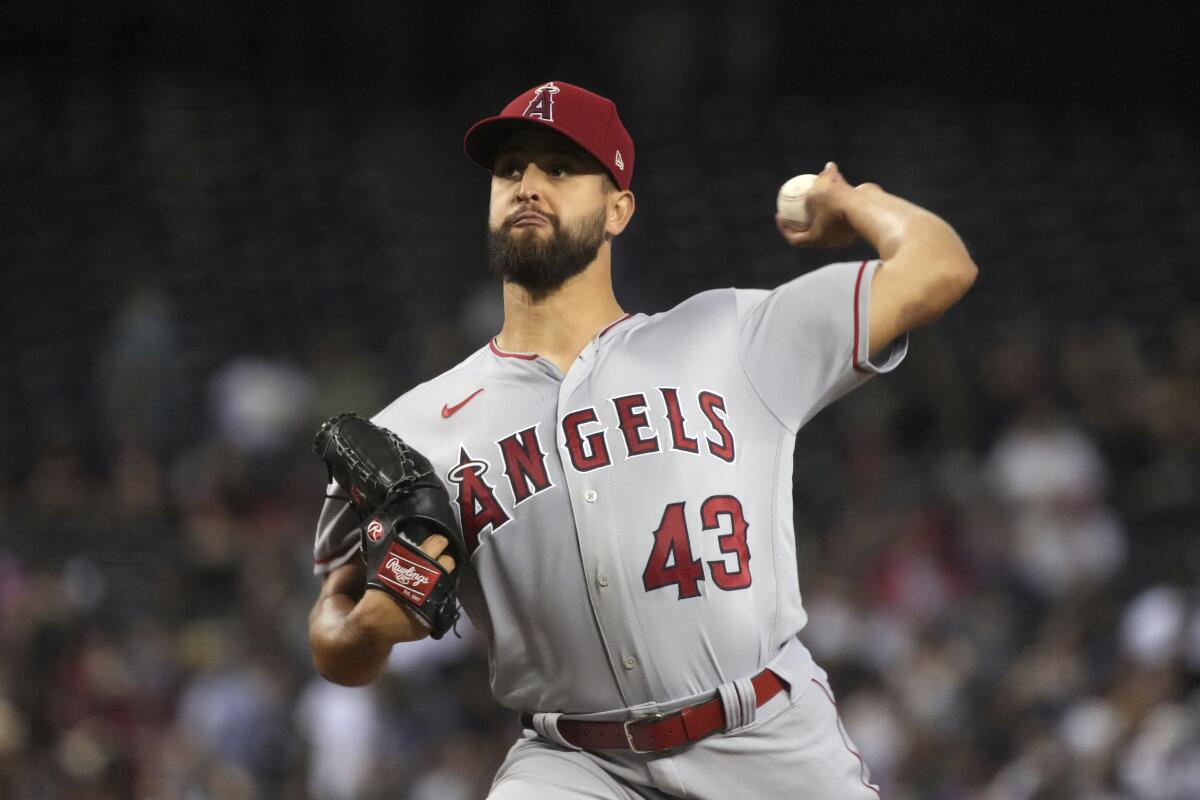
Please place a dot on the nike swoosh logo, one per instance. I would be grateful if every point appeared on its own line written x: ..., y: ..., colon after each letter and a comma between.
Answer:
x: 448, y: 411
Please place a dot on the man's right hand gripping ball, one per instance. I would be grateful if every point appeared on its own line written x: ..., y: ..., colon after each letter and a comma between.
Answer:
x: 401, y: 503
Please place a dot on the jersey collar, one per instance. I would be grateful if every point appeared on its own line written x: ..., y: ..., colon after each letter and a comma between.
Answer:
x: 505, y: 354
x: 612, y: 325
x: 495, y: 348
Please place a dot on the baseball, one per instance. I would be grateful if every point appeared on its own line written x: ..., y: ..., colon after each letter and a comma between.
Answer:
x: 792, y: 201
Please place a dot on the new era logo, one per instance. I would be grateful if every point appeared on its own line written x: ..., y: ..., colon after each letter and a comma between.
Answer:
x: 620, y: 162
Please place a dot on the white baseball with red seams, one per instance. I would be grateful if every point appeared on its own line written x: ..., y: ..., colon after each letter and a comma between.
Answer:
x: 630, y: 521
x: 792, y: 201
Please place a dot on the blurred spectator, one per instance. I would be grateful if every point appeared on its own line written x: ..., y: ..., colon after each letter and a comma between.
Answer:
x: 1052, y: 476
x: 261, y: 404
x: 343, y: 730
x: 1153, y: 626
x: 234, y: 710
x: 140, y: 382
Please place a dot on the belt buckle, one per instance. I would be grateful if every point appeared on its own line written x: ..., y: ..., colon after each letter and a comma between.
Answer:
x: 629, y: 734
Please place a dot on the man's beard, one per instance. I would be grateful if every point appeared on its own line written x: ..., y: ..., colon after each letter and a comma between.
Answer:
x: 540, y: 264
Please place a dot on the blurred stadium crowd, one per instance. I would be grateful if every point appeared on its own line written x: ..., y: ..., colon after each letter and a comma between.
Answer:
x: 999, y: 542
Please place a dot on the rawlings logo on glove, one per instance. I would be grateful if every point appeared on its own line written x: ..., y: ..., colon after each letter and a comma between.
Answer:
x: 395, y: 487
x: 405, y: 572
x: 407, y: 576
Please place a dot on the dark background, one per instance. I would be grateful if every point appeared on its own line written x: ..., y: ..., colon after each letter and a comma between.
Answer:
x: 218, y: 225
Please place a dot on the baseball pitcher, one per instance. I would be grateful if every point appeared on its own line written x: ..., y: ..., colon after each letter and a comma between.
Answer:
x: 608, y: 494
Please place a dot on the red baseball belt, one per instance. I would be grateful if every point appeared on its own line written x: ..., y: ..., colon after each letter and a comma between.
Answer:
x: 660, y: 731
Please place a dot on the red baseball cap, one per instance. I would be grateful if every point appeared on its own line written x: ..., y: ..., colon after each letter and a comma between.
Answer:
x: 587, y: 119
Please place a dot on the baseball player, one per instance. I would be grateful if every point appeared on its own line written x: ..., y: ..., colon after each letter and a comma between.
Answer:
x: 623, y: 481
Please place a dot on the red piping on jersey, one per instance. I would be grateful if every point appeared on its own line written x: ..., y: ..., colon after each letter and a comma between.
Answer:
x: 857, y: 285
x: 862, y: 765
x: 501, y: 353
x: 612, y: 325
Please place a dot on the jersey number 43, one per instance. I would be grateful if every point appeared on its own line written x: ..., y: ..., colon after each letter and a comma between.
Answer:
x: 671, y: 562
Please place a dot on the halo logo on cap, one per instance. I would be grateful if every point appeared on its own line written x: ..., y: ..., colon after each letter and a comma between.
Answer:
x: 542, y: 105
x: 584, y: 118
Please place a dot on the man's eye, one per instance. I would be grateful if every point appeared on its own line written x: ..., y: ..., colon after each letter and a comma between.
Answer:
x: 559, y: 170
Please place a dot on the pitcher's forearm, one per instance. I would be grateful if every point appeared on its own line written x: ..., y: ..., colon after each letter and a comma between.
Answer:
x: 927, y: 264
x: 889, y: 222
x: 349, y: 646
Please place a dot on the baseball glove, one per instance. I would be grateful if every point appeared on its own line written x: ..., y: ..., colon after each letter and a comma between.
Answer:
x: 401, y: 503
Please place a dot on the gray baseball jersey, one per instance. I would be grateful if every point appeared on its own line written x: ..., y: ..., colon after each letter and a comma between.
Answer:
x: 630, y: 522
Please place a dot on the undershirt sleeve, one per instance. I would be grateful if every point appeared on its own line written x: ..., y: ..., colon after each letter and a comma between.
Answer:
x: 337, y: 532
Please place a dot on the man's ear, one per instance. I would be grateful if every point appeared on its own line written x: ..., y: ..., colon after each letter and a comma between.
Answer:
x: 621, y: 206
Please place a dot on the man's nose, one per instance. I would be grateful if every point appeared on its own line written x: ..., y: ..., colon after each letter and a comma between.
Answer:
x: 531, y: 182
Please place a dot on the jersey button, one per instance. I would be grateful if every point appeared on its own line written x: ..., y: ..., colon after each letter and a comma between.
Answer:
x: 630, y: 662
x: 590, y: 495
x: 603, y: 579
